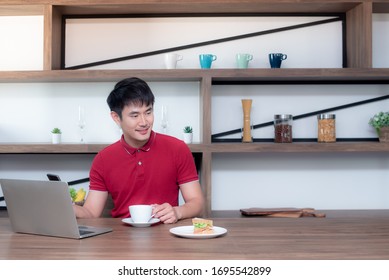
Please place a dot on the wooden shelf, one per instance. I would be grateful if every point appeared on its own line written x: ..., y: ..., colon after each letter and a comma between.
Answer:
x: 20, y: 8
x: 209, y: 7
x: 64, y: 148
x: 380, y: 7
x: 191, y: 7
x: 299, y: 147
x: 93, y: 148
x: 341, y: 75
x: 48, y: 148
x: 98, y: 75
x: 356, y: 75
x: 93, y: 7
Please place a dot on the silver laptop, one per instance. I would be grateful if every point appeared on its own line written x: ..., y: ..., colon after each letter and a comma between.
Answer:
x: 44, y: 208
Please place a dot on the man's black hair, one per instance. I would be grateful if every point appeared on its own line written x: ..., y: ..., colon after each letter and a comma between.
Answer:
x: 130, y: 91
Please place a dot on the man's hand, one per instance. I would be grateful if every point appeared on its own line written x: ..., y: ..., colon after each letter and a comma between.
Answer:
x: 193, y: 206
x: 165, y: 213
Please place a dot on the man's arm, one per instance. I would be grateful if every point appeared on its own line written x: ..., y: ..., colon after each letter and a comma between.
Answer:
x: 93, y: 206
x: 194, y: 203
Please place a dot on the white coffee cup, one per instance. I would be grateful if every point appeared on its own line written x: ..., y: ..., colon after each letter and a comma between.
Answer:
x: 140, y: 213
x: 171, y: 60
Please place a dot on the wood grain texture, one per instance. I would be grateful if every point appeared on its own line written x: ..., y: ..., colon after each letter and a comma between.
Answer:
x: 52, y: 38
x: 15, y: 8
x: 71, y: 7
x: 338, y: 236
x: 191, y: 6
x: 300, y: 147
x: 206, y: 77
x: 359, y: 36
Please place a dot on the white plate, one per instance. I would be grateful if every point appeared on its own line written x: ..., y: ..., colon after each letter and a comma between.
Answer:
x: 131, y: 222
x: 187, y: 232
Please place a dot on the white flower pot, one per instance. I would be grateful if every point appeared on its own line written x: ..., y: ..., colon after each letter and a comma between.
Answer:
x: 55, y: 138
x: 188, y: 138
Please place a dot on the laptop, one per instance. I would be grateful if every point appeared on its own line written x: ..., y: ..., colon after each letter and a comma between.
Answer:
x: 44, y: 208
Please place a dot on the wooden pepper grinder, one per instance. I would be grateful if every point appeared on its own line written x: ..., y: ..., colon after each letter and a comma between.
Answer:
x: 246, y: 104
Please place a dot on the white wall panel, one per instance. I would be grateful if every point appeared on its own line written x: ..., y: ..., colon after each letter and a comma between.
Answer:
x: 28, y: 112
x: 21, y: 46
x: 380, y: 40
x: 89, y: 39
x: 321, y: 181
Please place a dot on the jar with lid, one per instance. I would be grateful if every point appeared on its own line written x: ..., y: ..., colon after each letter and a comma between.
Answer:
x: 326, y: 131
x: 283, y: 128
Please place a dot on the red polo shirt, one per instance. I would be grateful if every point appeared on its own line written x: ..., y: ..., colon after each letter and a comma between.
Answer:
x: 151, y: 174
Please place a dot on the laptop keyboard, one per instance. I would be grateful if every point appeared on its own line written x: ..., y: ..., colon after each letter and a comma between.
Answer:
x: 83, y: 232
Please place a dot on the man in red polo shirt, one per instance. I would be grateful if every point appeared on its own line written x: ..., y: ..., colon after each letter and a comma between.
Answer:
x: 143, y: 167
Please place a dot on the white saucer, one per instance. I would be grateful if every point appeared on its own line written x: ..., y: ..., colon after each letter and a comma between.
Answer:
x: 147, y: 224
x: 187, y: 232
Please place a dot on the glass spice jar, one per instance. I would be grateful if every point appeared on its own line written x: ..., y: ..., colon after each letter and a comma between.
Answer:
x: 283, y: 128
x: 326, y: 131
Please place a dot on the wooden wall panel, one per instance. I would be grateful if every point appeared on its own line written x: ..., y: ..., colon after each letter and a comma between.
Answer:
x: 359, y: 36
x: 52, y: 38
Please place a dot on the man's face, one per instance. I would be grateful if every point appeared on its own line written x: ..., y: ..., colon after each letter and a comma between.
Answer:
x: 136, y: 123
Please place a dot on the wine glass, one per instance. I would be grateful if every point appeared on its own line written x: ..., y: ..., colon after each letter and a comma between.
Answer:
x: 81, y: 123
x: 164, y: 121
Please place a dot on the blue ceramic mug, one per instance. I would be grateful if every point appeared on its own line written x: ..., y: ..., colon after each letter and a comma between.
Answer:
x: 206, y: 60
x: 275, y: 59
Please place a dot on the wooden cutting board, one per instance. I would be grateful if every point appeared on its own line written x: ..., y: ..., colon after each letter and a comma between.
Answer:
x: 288, y: 212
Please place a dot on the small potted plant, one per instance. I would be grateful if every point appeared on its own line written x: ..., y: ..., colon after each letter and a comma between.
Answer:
x: 188, y: 134
x: 380, y: 122
x: 56, y: 135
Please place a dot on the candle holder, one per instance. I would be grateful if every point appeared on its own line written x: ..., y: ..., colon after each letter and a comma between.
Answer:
x: 164, y: 121
x: 246, y: 104
x: 81, y: 123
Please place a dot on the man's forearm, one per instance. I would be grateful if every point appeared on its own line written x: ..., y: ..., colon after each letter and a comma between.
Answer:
x: 82, y: 212
x: 190, y: 209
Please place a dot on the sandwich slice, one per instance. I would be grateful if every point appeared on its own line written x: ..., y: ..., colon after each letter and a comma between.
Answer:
x: 202, y: 226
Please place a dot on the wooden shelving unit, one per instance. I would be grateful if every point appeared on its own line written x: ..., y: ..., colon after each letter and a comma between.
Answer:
x: 48, y: 148
x: 70, y: 148
x: 52, y: 76
x: 316, y: 75
x: 358, y: 15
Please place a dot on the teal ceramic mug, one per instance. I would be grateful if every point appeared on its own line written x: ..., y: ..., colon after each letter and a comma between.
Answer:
x: 242, y: 60
x: 206, y: 60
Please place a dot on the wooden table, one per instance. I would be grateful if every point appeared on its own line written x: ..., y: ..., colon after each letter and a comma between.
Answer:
x: 341, y: 235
